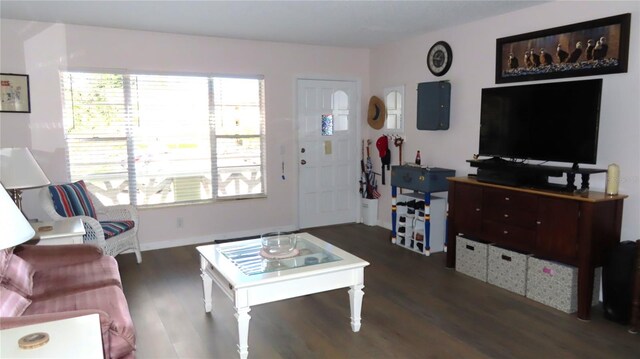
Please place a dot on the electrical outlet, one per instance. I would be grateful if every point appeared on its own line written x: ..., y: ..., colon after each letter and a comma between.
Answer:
x: 180, y: 222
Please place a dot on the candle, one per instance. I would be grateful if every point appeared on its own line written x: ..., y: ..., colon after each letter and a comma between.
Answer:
x: 613, y: 179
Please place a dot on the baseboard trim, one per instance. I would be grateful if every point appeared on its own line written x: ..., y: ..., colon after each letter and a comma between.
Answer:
x: 211, y: 238
x: 384, y: 224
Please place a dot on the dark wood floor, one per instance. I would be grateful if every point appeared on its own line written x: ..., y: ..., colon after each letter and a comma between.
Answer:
x: 413, y: 308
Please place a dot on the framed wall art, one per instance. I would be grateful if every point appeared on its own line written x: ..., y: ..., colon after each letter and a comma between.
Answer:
x: 15, y: 93
x: 588, y: 48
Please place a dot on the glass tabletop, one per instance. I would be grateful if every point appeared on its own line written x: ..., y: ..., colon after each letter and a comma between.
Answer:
x: 249, y: 257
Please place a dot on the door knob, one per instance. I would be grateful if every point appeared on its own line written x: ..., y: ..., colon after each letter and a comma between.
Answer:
x: 302, y: 150
x: 303, y: 162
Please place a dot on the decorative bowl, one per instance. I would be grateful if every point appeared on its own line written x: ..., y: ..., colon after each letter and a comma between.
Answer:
x: 278, y: 243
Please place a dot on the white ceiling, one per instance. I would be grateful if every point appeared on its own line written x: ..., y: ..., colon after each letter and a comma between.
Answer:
x: 332, y: 23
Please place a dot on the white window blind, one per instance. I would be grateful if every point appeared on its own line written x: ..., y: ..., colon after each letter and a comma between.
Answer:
x: 159, y: 139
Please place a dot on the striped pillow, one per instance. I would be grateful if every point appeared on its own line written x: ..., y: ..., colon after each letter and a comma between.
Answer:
x: 72, y: 199
x: 12, y: 304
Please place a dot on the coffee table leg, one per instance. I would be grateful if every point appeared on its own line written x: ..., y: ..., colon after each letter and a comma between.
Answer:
x: 207, y: 284
x: 242, y: 314
x: 355, y: 301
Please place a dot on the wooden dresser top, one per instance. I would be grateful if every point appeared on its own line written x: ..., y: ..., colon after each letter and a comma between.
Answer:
x: 587, y: 196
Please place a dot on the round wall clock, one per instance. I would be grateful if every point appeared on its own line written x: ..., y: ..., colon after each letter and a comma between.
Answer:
x: 439, y: 58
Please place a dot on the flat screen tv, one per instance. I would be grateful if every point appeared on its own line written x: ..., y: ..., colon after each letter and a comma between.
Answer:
x: 549, y: 122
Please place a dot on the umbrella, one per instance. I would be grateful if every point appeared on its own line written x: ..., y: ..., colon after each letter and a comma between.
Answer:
x: 363, y: 173
x: 372, y: 187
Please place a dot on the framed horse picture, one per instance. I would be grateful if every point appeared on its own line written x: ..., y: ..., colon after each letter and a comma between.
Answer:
x: 588, y: 48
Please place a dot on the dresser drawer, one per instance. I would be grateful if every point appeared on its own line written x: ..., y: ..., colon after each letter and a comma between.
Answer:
x: 421, y: 179
x: 220, y: 280
x: 510, y: 236
x: 515, y: 217
x: 509, y: 200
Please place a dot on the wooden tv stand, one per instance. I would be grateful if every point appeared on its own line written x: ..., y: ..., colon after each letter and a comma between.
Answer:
x: 574, y: 229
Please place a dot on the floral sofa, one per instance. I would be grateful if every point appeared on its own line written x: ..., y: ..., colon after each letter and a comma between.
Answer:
x: 45, y: 283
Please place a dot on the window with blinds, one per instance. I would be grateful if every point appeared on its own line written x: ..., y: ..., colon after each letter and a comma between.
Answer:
x: 160, y: 139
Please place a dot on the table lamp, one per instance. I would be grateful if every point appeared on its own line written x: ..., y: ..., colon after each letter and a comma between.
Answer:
x: 15, y: 228
x: 20, y: 171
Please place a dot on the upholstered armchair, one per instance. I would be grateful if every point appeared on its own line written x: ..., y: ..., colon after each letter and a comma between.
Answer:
x: 44, y: 283
x: 113, y: 228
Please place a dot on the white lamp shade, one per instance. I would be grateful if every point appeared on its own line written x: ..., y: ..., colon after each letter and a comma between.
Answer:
x: 15, y: 228
x: 19, y: 170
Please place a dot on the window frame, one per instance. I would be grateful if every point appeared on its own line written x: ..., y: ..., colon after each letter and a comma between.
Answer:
x: 399, y: 89
x: 129, y: 137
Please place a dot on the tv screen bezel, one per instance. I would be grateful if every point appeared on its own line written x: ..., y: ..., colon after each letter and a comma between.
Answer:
x: 511, y: 154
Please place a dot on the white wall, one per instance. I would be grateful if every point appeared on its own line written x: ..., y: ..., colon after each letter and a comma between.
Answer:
x: 42, y: 49
x: 474, y: 68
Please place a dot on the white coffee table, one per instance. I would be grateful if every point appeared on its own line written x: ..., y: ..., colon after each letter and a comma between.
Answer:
x: 249, y: 279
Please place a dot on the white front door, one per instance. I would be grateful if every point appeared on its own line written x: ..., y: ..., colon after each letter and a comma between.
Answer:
x: 328, y: 167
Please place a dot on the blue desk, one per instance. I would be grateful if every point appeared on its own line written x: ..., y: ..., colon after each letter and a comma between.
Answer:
x: 423, y: 181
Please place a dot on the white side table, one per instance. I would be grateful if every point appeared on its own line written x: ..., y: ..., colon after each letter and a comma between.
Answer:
x: 78, y: 337
x: 64, y: 231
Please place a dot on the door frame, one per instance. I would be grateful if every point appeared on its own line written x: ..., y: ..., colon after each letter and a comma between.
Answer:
x: 358, y: 136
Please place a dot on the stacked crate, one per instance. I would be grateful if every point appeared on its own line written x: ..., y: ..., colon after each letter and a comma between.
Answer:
x: 546, y: 282
x: 556, y: 285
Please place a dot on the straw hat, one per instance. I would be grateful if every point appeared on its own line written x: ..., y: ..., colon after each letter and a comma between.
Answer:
x: 377, y: 113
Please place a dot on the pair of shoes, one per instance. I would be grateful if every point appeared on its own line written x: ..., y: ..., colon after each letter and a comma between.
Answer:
x: 419, y: 205
x: 402, y: 219
x: 401, y: 204
x: 411, y: 204
x: 401, y: 230
x: 411, y: 211
x: 419, y: 237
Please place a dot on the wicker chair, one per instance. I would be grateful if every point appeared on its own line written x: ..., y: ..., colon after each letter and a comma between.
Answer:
x: 95, y: 234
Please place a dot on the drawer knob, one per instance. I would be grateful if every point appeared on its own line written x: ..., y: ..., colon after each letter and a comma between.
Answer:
x: 506, y: 215
x: 506, y: 198
x: 477, y: 209
x: 505, y: 232
x: 538, y: 222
